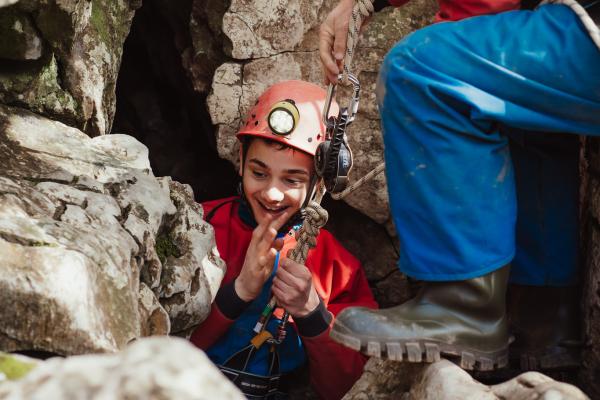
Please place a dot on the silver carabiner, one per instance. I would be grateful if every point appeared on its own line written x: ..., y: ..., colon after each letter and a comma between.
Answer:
x: 328, y: 99
x: 352, y: 106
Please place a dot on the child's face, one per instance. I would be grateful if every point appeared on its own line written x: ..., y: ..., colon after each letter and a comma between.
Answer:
x: 275, y: 179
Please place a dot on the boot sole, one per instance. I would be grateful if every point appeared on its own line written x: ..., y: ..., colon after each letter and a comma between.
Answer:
x: 419, y: 351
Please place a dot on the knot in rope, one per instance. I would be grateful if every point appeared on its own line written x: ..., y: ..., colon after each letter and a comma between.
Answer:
x: 316, y: 218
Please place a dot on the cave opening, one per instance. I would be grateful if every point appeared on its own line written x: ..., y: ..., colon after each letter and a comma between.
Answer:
x: 158, y: 105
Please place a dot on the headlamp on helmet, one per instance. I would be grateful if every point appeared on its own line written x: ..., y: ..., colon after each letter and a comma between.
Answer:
x: 283, y: 117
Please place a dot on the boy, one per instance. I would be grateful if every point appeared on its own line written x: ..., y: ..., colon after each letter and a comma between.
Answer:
x: 278, y: 144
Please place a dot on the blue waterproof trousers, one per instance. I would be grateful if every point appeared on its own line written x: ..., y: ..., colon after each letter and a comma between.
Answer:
x: 473, y: 182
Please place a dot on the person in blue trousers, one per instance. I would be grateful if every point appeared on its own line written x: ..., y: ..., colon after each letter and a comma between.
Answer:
x: 481, y: 119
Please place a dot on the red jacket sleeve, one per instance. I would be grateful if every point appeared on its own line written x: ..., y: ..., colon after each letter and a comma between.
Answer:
x: 231, y: 238
x: 341, y: 282
x: 211, y: 329
x: 454, y: 10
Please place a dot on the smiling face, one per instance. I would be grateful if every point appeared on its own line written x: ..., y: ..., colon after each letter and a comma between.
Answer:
x: 275, y: 179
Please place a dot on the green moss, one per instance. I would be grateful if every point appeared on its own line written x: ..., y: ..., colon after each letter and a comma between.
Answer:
x: 111, y: 21
x: 14, y: 368
x: 37, y: 85
x: 99, y: 21
x: 165, y: 248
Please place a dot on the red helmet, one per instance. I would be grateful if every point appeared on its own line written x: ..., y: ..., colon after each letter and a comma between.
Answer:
x: 290, y: 112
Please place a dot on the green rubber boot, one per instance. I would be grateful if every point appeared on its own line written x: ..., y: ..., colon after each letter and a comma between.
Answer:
x: 463, y: 321
x: 546, y: 324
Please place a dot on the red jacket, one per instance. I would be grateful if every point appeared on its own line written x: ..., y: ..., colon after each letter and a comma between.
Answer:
x: 337, y: 277
x: 454, y: 10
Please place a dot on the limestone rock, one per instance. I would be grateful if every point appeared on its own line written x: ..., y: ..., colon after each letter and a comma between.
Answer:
x: 190, y: 278
x: 18, y: 38
x: 153, y: 368
x: 274, y: 53
x: 85, y: 38
x: 206, y: 52
x: 260, y: 28
x: 5, y: 3
x: 79, y: 218
x: 150, y: 309
x: 534, y: 386
x: 444, y: 380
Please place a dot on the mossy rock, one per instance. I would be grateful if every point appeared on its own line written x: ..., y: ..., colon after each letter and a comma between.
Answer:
x: 166, y: 247
x: 14, y: 368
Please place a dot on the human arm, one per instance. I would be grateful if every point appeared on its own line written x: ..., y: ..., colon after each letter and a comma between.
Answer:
x: 243, y: 280
x: 340, y: 282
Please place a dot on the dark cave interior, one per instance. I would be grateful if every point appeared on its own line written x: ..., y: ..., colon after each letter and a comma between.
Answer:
x: 157, y: 104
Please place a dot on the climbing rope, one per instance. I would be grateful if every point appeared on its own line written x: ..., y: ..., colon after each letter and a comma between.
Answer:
x: 315, y: 215
x: 370, y: 175
x: 361, y: 11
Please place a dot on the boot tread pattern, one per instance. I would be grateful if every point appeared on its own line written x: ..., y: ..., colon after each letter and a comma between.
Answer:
x: 424, y: 351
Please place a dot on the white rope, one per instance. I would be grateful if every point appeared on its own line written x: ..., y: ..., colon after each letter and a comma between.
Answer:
x: 585, y: 18
x: 362, y: 10
x: 374, y: 172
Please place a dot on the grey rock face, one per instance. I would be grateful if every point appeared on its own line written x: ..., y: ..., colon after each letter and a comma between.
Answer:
x: 152, y: 368
x: 444, y: 380
x: 79, y: 219
x: 18, y: 38
x: 5, y: 3
x: 74, y: 77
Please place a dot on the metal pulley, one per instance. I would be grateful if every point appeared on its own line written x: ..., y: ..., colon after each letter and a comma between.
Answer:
x: 333, y: 159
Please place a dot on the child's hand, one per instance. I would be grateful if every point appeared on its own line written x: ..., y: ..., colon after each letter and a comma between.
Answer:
x: 260, y: 257
x: 293, y: 288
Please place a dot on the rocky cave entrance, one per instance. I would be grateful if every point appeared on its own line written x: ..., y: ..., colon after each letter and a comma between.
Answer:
x: 157, y: 104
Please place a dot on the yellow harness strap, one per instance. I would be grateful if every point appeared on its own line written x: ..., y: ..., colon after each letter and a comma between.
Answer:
x: 261, y: 338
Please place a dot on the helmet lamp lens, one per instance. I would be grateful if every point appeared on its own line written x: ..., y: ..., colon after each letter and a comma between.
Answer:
x: 283, y: 117
x: 281, y: 121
